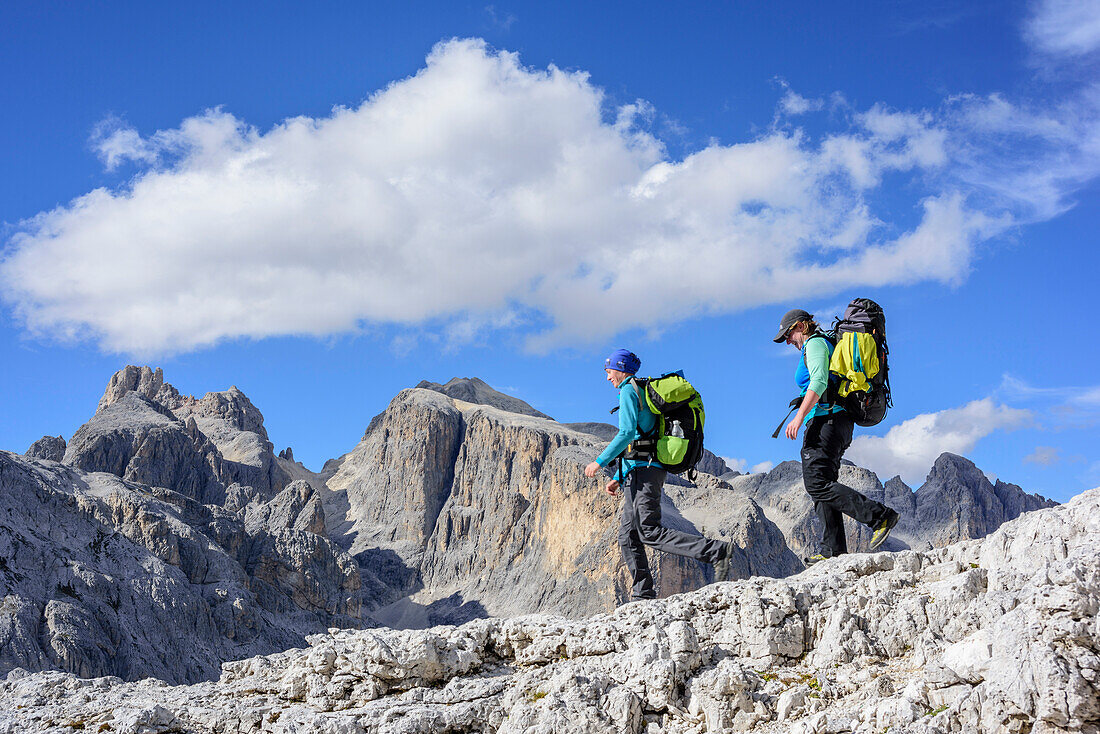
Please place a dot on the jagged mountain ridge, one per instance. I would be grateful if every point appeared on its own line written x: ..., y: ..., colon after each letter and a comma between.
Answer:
x: 448, y: 510
x: 103, y: 576
x: 986, y: 636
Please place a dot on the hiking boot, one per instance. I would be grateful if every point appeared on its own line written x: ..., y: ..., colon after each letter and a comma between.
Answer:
x: 722, y: 565
x: 882, y: 530
x: 815, y: 558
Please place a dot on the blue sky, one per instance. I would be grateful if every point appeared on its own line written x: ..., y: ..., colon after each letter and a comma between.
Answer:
x: 325, y: 205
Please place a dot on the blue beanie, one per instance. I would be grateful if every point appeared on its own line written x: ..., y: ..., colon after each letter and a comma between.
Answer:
x: 623, y: 360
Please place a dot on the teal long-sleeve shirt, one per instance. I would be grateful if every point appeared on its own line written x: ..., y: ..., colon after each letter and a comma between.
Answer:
x: 634, y: 421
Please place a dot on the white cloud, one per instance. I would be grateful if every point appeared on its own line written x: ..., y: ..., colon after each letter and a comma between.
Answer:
x: 1028, y: 158
x: 115, y: 143
x: 481, y: 195
x: 910, y: 448
x: 742, y: 465
x: 1044, y: 456
x: 737, y: 465
x: 793, y: 103
x: 1064, y: 27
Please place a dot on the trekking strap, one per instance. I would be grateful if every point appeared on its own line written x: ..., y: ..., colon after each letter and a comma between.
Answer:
x: 794, y: 406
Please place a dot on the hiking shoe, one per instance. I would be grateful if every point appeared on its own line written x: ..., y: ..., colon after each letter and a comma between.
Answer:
x: 815, y: 558
x: 882, y: 530
x: 723, y: 565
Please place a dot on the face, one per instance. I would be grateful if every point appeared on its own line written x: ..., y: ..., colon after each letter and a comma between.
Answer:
x: 616, y: 377
x: 796, y: 337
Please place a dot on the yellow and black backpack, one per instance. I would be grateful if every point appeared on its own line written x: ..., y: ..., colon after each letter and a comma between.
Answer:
x: 860, y: 363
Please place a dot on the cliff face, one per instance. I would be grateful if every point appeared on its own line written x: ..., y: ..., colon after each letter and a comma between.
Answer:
x: 141, y: 441
x: 986, y: 636
x: 488, y: 511
x: 107, y: 577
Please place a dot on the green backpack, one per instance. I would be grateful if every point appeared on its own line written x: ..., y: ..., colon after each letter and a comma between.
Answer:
x: 677, y: 441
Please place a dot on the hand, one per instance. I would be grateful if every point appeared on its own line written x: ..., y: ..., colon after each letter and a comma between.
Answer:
x: 612, y: 488
x: 592, y: 469
x: 792, y: 428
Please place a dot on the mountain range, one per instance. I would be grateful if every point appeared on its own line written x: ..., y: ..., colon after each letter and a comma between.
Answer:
x: 166, y: 536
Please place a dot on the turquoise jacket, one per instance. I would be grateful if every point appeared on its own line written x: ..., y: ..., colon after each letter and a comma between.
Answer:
x: 813, y: 374
x: 634, y: 421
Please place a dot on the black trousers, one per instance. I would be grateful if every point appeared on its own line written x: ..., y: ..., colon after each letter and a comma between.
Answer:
x: 641, y: 526
x: 823, y: 444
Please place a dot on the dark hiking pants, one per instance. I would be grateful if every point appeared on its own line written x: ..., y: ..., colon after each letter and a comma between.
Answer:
x: 823, y: 444
x: 641, y: 526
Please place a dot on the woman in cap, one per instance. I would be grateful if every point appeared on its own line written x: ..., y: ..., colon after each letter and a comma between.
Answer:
x: 828, y: 434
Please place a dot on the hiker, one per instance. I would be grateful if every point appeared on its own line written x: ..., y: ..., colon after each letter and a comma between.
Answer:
x: 641, y: 477
x: 828, y: 434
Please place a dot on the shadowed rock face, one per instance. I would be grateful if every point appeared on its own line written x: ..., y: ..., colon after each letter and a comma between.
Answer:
x: 51, y: 448
x: 985, y: 636
x: 225, y: 427
x: 397, y: 479
x: 141, y: 441
x: 106, y: 577
x: 717, y: 510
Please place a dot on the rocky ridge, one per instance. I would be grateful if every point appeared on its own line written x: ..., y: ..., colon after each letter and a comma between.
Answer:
x: 991, y: 635
x: 103, y: 576
x: 446, y: 511
x: 956, y: 502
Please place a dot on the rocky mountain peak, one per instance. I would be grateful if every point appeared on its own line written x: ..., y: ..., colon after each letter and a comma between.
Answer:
x: 475, y: 390
x: 231, y: 406
x: 954, y: 467
x: 51, y: 448
x: 144, y: 381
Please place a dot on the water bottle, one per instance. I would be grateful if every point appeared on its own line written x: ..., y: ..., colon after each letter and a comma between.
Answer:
x: 676, y: 430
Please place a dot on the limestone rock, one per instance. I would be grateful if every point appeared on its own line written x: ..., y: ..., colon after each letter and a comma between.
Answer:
x: 50, y: 448
x: 144, y: 381
x: 718, y: 511
x: 469, y: 510
x: 142, y: 441
x: 396, y: 480
x: 103, y: 576
x: 228, y: 419
x: 236, y: 427
x: 985, y: 636
x: 474, y: 390
x: 956, y: 502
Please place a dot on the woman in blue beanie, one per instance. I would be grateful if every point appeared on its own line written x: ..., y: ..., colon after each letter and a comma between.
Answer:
x: 644, y: 479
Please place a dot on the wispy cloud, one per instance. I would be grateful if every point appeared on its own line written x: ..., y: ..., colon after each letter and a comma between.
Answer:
x: 1044, y: 456
x: 1065, y: 28
x: 910, y: 448
x: 500, y: 20
x: 1056, y: 407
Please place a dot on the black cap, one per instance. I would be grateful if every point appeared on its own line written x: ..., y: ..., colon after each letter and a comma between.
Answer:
x: 789, y: 319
